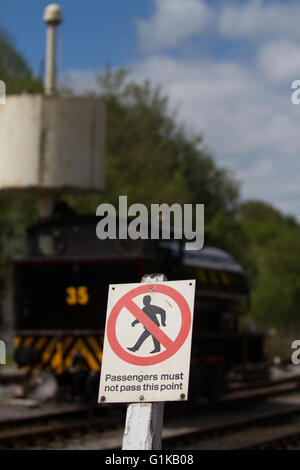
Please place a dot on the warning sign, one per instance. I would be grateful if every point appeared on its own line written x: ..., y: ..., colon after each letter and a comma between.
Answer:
x: 147, y: 343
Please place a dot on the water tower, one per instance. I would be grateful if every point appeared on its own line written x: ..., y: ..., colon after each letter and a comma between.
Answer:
x: 51, y: 144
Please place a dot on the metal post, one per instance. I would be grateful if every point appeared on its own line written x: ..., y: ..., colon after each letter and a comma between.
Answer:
x: 45, y: 203
x: 144, y: 421
x: 52, y: 17
x: 50, y: 60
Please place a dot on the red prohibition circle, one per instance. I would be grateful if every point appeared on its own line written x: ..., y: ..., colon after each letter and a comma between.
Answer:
x: 175, y: 345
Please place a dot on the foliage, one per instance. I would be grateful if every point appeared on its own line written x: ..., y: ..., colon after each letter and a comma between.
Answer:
x: 275, y: 245
x: 153, y: 159
x: 14, y: 70
x: 15, y: 210
x: 150, y: 157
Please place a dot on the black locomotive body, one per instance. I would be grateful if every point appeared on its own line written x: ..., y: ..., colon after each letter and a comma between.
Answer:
x: 60, y: 295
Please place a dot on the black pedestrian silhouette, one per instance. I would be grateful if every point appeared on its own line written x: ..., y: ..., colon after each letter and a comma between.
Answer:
x: 151, y: 311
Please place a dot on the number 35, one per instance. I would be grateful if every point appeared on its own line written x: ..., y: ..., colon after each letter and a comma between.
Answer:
x: 77, y: 295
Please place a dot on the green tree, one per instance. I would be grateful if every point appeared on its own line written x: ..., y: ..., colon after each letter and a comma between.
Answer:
x: 16, y: 210
x: 150, y: 157
x: 275, y: 249
x: 14, y: 70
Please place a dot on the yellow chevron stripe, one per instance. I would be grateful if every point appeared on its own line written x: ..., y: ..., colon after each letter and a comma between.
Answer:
x: 39, y: 345
x: 95, y: 345
x: 28, y: 341
x: 58, y: 364
x: 47, y: 353
x: 41, y: 342
x: 68, y: 359
x: 57, y: 360
x: 89, y: 356
x: 66, y: 342
x: 79, y: 346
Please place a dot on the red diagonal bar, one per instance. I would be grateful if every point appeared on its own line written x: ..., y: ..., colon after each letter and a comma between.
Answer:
x: 135, y: 310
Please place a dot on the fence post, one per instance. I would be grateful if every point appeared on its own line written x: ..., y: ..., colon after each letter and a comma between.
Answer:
x: 144, y: 421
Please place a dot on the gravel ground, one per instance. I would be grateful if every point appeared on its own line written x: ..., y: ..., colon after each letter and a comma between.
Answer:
x: 202, y: 418
x: 113, y: 439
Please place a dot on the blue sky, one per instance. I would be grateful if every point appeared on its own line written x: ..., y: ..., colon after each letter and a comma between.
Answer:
x: 105, y: 30
x: 226, y: 66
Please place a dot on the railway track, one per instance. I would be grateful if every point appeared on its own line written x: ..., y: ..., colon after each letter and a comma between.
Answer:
x: 284, y: 440
x: 43, y: 427
x: 256, y: 384
x: 48, y: 425
x: 12, y: 375
x: 42, y: 434
x: 25, y: 417
x: 194, y: 438
x: 264, y: 389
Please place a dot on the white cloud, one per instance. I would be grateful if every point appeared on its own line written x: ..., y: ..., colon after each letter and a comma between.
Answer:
x: 251, y: 127
x: 247, y: 120
x: 280, y: 61
x: 80, y: 81
x: 219, y: 97
x: 173, y: 21
x: 256, y: 19
x: 243, y: 109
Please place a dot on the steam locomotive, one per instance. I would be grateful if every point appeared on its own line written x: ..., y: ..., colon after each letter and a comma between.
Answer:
x: 60, y: 295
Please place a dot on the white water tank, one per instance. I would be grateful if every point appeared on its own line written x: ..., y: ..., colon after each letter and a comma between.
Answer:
x: 52, y: 143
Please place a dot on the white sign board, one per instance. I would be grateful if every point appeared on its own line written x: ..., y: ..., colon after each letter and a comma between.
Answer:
x: 147, y: 344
